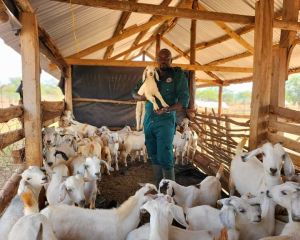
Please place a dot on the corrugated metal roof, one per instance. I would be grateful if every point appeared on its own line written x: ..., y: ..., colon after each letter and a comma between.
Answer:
x: 63, y: 22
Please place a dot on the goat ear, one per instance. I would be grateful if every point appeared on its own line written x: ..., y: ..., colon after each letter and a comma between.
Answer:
x: 156, y: 75
x: 227, y: 217
x: 22, y: 186
x: 62, y: 192
x: 251, y: 154
x: 178, y: 215
x: 144, y: 74
x: 142, y: 184
x: 288, y: 166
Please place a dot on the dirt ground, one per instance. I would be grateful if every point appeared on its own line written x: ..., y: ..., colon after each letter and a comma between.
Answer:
x: 120, y: 185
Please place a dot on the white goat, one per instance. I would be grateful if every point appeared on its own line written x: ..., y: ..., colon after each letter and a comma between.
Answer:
x: 150, y: 89
x: 93, y: 174
x: 113, y: 144
x: 192, y: 146
x: 234, y: 213
x: 162, y: 213
x: 180, y: 143
x: 32, y: 225
x: 32, y: 178
x: 205, y: 193
x: 140, y: 115
x: 113, y: 224
x: 64, y: 188
x: 248, y: 174
x: 288, y: 195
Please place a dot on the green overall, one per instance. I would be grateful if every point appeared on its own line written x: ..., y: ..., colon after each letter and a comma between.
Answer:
x: 160, y: 129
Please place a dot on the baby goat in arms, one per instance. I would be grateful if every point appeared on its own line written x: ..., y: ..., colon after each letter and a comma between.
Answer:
x: 149, y: 87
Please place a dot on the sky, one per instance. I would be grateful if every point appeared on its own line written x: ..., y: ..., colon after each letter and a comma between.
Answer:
x: 11, y: 67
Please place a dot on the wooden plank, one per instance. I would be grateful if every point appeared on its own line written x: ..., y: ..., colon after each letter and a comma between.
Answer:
x: 10, y: 137
x: 125, y: 34
x: 126, y: 102
x: 31, y: 89
x: 286, y: 113
x: 262, y: 71
x: 120, y: 26
x: 220, y: 99
x: 295, y: 158
x: 126, y: 63
x: 287, y: 143
x: 53, y: 106
x: 275, y: 126
x: 69, y: 91
x: 50, y: 121
x: 10, y: 188
x: 164, y: 10
x: 9, y: 113
x: 287, y: 25
x: 238, y: 80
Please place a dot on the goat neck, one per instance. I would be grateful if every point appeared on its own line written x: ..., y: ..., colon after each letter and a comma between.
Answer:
x: 159, y: 226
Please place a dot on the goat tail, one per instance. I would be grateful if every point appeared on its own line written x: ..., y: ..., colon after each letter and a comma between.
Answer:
x: 220, y: 171
x: 239, y: 148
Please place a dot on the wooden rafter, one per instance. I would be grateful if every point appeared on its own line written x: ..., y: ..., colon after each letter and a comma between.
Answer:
x: 231, y: 58
x: 177, y: 49
x: 3, y: 14
x: 120, y: 26
x: 76, y: 61
x: 230, y: 32
x: 165, y: 11
x: 143, y: 33
x: 47, y: 45
x: 123, y: 35
x: 133, y: 48
x: 226, y: 37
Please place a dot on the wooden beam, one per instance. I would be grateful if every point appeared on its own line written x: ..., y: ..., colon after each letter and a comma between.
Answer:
x: 122, y: 102
x: 230, y: 32
x: 31, y: 88
x: 287, y: 143
x: 120, y: 26
x: 123, y: 35
x: 47, y: 45
x: 287, y: 25
x: 143, y: 33
x: 240, y: 31
x: 220, y: 99
x: 68, y: 91
x: 164, y: 11
x: 130, y: 50
x: 9, y: 113
x: 238, y: 80
x: 11, y: 137
x: 177, y: 49
x: 231, y: 58
x: 192, y: 84
x: 157, y: 45
x: 126, y: 63
x: 275, y: 126
x: 3, y: 14
x: 286, y: 113
x: 150, y: 55
x: 262, y: 71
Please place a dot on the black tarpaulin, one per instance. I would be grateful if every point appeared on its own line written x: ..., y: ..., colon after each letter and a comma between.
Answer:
x: 100, y: 82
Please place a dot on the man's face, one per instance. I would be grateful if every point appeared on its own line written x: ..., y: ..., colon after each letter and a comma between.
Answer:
x: 164, y: 59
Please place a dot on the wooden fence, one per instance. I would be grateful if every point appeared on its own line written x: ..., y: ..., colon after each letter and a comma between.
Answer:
x: 51, y: 112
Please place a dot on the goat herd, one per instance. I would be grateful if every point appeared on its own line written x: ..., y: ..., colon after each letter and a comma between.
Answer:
x: 73, y: 155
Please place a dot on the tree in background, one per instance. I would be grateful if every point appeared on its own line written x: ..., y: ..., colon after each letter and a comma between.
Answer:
x: 292, y: 90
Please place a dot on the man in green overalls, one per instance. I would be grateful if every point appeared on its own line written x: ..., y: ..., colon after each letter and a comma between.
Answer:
x: 159, y: 126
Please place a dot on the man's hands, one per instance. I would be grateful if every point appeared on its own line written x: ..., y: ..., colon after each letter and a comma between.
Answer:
x: 162, y: 110
x: 139, y: 97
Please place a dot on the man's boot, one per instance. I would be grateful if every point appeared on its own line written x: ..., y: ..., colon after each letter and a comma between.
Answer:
x: 169, y: 174
x: 158, y: 174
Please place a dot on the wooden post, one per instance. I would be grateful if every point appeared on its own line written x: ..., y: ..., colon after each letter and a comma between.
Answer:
x: 264, y: 14
x: 192, y: 84
x: 143, y: 56
x: 157, y: 49
x: 281, y: 54
x: 31, y: 89
x: 220, y: 100
x: 68, y: 90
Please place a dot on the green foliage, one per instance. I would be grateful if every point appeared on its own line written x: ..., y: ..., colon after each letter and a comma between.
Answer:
x: 293, y: 89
